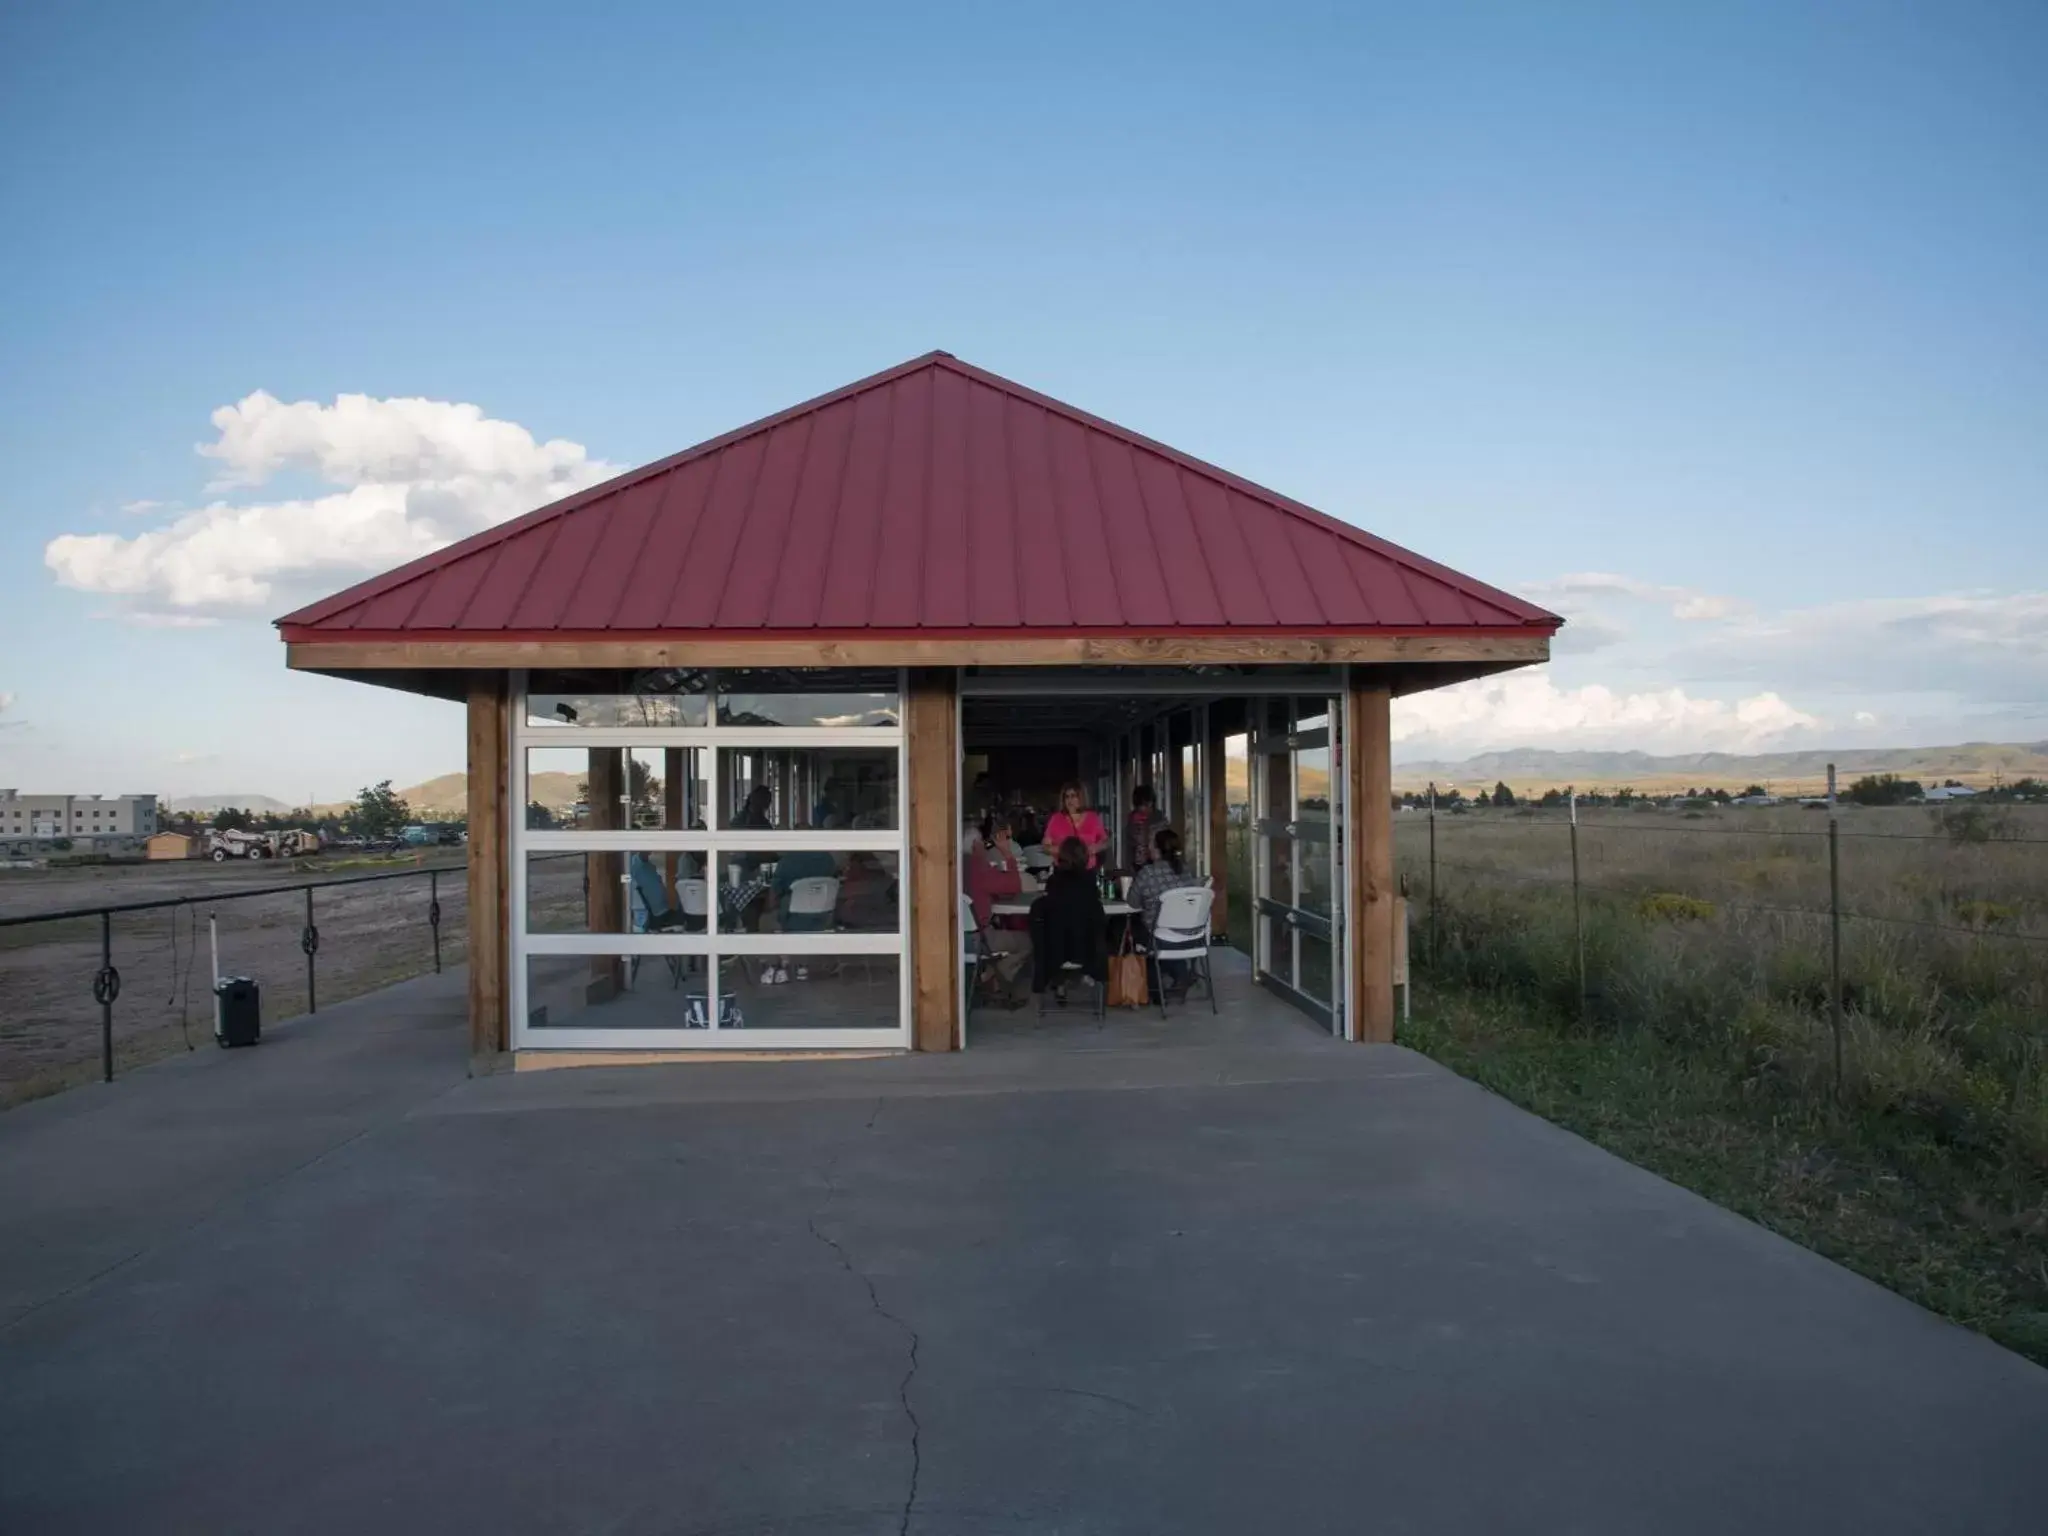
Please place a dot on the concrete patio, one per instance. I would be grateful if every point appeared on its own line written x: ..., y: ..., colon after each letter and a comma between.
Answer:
x: 1226, y: 1279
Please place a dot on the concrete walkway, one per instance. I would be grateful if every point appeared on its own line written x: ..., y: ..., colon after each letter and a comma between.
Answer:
x: 1253, y: 1282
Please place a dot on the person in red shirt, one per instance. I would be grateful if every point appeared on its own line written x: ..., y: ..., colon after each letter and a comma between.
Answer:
x: 1074, y: 819
x: 994, y: 873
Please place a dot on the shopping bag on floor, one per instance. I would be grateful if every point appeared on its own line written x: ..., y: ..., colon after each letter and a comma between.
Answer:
x: 1127, y: 976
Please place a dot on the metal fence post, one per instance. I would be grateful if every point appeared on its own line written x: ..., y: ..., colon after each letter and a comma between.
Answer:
x: 309, y: 941
x: 106, y: 986
x: 1433, y: 956
x: 1578, y: 922
x: 1835, y: 924
x: 434, y: 914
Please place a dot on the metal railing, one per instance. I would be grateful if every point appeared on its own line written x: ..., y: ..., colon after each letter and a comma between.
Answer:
x: 106, y: 980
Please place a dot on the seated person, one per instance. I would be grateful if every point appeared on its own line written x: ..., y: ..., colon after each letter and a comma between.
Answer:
x: 995, y: 874
x: 867, y: 895
x: 1067, y: 923
x: 1166, y: 870
x: 650, y: 892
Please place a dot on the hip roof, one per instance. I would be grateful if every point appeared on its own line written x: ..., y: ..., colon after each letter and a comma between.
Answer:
x: 932, y: 497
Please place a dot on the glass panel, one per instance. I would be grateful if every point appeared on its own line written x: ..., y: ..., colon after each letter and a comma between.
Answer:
x: 1280, y: 869
x: 1311, y: 715
x: 1193, y: 820
x: 570, y: 992
x: 824, y: 993
x: 791, y: 788
x: 1312, y: 781
x: 663, y: 697
x: 615, y: 892
x: 1314, y: 885
x: 1279, y: 947
x: 1276, y: 798
x: 1317, y: 970
x: 815, y: 696
x: 615, y: 788
x: 789, y: 892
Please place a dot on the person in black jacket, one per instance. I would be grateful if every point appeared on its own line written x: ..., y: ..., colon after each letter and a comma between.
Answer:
x: 1067, y: 923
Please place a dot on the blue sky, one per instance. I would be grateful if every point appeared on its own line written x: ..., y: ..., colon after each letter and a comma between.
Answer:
x: 1722, y: 329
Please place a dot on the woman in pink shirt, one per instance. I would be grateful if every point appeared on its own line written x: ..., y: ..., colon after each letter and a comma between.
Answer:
x: 1074, y: 819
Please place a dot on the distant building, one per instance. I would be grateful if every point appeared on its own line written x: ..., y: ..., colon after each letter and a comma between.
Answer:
x: 172, y: 845
x: 1947, y: 792
x: 76, y: 815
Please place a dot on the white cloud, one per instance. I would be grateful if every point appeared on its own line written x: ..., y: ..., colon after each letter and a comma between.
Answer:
x: 1519, y: 709
x: 140, y: 508
x: 412, y: 475
x: 6, y: 704
x: 1865, y: 717
x: 1986, y: 647
x: 1686, y: 603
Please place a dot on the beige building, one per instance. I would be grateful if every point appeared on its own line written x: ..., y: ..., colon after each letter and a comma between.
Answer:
x: 76, y: 815
x: 172, y: 845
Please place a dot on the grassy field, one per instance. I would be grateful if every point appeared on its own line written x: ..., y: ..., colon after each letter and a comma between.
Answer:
x: 1703, y: 1046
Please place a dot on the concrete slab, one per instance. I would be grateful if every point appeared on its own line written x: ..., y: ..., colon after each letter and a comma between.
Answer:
x: 1254, y: 1282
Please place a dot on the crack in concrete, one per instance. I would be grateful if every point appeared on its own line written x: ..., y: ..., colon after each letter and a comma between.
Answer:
x: 910, y: 1333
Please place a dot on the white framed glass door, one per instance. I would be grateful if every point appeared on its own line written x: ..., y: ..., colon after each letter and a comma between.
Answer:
x: 1297, y: 863
x: 709, y: 859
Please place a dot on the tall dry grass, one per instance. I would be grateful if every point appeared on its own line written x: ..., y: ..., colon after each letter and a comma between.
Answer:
x: 1707, y: 974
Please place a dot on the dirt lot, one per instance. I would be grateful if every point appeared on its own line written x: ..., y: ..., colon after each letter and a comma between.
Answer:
x: 370, y: 935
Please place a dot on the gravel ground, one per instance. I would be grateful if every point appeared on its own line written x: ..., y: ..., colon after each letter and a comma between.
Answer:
x: 370, y: 936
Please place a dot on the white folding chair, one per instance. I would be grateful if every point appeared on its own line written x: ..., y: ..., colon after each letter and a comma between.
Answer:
x: 695, y: 897
x: 812, y: 902
x: 1182, y: 933
x: 814, y: 896
x: 975, y: 955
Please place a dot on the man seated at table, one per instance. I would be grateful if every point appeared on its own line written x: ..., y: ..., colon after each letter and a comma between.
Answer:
x: 994, y: 873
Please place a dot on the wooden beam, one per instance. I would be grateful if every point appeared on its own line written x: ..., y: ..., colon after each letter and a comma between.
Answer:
x: 489, y: 850
x: 669, y: 649
x: 1369, y: 745
x: 930, y: 725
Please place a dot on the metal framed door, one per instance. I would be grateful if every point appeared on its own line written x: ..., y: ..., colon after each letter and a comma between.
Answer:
x: 1296, y: 872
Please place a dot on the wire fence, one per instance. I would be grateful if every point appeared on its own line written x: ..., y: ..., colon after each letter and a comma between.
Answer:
x: 1928, y: 917
x: 89, y: 987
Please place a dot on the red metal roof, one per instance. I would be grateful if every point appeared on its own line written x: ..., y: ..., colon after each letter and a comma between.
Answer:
x: 931, y: 497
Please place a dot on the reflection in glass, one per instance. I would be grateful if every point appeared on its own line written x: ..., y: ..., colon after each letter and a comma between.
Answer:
x: 1317, y: 970
x: 652, y: 891
x: 663, y: 697
x: 615, y: 788
x: 615, y: 991
x: 832, y: 697
x: 822, y: 788
x: 1312, y: 780
x: 809, y: 891
x: 821, y: 993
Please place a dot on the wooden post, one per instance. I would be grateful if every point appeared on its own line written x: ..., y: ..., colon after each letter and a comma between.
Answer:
x: 672, y: 813
x: 1369, y: 747
x: 934, y: 915
x: 604, y: 784
x: 489, y: 851
x: 1216, y: 784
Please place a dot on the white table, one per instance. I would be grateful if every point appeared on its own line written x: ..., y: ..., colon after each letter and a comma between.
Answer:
x: 1023, y: 909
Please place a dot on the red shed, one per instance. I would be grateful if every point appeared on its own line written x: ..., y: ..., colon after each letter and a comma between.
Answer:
x: 729, y: 712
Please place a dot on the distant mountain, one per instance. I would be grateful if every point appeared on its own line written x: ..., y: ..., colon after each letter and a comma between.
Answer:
x: 203, y: 804
x: 1976, y: 762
